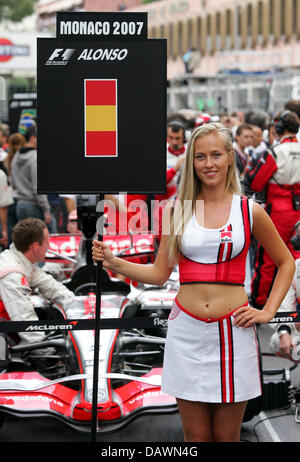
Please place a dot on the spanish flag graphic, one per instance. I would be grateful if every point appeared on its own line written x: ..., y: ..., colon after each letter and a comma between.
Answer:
x: 100, y: 118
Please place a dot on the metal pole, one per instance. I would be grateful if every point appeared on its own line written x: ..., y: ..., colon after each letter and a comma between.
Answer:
x: 97, y: 334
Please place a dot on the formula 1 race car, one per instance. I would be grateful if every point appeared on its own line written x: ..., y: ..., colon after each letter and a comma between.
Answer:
x: 130, y: 365
x: 130, y: 359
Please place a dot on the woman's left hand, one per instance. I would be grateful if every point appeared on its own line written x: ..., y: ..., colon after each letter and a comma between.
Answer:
x: 247, y: 316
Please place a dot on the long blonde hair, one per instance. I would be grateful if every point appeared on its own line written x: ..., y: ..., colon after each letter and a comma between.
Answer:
x: 190, y: 186
x: 15, y: 142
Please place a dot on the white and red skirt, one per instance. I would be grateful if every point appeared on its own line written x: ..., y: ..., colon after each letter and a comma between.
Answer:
x: 210, y: 360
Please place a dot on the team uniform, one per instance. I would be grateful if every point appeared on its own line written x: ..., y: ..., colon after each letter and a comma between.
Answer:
x: 18, y: 276
x: 290, y: 303
x: 280, y: 191
x: 173, y: 179
x: 240, y: 158
x: 211, y: 360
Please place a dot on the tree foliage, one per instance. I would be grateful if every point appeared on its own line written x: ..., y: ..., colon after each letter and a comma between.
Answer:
x: 16, y: 10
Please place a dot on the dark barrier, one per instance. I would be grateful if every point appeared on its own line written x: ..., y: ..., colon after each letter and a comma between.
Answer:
x: 70, y: 325
x: 110, y: 323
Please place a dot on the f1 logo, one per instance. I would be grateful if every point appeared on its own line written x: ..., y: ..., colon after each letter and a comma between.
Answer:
x: 60, y: 56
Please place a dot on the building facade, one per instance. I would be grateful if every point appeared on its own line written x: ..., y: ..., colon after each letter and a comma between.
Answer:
x: 243, y: 35
x: 260, y: 39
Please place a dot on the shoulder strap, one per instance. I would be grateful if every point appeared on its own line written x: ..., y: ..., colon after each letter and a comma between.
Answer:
x: 246, y: 216
x: 272, y: 151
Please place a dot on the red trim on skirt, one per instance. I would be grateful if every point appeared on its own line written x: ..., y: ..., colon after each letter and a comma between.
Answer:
x: 208, y: 319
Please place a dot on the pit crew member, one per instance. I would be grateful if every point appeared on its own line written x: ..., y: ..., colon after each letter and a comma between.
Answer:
x: 282, y: 201
x: 19, y: 274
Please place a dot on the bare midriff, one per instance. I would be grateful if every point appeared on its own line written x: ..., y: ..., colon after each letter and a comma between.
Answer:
x: 211, y: 300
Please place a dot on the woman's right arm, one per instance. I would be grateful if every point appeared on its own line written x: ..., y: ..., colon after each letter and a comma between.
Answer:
x: 156, y: 273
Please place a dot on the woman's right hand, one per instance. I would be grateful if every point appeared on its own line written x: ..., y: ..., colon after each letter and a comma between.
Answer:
x: 101, y: 253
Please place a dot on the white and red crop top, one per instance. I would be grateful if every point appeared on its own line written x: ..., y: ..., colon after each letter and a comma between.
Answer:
x: 217, y: 255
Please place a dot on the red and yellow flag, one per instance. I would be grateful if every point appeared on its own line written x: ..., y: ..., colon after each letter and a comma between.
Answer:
x: 101, y: 118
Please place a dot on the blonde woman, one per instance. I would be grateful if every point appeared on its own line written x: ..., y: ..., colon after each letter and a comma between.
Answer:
x: 211, y: 357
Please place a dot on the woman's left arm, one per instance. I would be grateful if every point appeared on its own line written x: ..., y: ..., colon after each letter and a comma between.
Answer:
x: 267, y: 235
